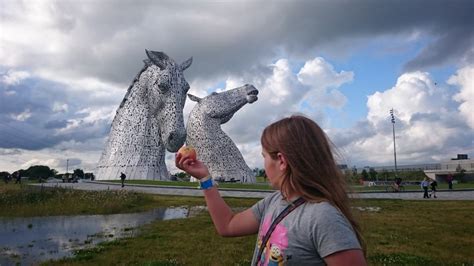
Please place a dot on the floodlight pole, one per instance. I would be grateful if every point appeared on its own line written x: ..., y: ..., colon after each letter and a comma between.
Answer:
x: 67, y: 166
x: 394, y: 147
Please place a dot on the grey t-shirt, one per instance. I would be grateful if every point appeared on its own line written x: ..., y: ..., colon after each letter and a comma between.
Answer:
x: 304, y: 237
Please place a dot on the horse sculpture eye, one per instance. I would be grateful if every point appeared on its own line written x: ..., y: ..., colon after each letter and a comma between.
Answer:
x: 164, y: 86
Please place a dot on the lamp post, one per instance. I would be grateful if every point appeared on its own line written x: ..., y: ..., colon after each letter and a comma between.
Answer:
x: 394, y: 147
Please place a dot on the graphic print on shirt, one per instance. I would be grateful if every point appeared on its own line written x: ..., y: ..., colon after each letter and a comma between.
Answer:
x: 274, y: 252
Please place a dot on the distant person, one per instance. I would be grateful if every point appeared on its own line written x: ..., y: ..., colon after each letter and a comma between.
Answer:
x: 17, y: 178
x: 450, y: 181
x: 398, y: 182
x: 433, y: 186
x: 424, y: 185
x: 122, y: 177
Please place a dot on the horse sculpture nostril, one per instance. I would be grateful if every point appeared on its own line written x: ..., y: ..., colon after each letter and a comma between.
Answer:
x: 171, y: 137
x: 175, y: 140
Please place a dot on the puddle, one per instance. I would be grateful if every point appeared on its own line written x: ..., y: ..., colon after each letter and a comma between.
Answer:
x: 368, y: 209
x: 35, y: 239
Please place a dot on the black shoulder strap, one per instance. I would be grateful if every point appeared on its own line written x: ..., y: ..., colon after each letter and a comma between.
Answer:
x: 280, y: 217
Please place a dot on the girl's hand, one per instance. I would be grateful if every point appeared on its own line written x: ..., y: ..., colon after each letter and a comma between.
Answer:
x: 193, y: 167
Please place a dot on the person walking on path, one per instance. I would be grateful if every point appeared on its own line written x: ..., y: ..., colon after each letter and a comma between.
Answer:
x: 433, y: 186
x: 6, y: 178
x: 424, y: 185
x: 17, y: 178
x: 308, y: 220
x: 450, y: 181
x: 122, y: 177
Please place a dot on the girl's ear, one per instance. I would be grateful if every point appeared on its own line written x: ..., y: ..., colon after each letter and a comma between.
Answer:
x: 282, y: 163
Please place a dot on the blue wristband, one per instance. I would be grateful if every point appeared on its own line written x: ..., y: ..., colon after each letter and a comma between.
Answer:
x: 207, y: 184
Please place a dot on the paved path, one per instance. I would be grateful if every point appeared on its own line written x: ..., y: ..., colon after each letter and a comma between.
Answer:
x: 242, y: 193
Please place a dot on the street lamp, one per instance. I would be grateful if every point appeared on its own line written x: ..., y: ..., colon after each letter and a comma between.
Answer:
x: 394, y: 148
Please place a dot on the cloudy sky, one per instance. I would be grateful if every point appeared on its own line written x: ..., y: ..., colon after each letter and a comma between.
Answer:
x: 65, y: 66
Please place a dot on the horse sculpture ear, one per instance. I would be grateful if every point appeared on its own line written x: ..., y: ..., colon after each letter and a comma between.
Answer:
x: 194, y: 98
x: 186, y: 64
x: 158, y: 58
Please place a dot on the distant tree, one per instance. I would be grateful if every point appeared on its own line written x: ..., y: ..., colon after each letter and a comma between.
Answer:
x: 89, y: 176
x: 79, y: 173
x: 365, y: 175
x: 373, y: 174
x: 255, y: 171
x: 4, y: 174
x: 384, y: 175
x: 460, y: 173
x: 350, y: 177
x: 38, y: 171
x: 182, y: 175
x: 354, y: 170
x: 22, y: 172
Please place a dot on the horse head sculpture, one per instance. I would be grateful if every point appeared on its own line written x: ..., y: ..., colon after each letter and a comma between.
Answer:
x: 213, y: 146
x: 167, y: 90
x: 148, y: 121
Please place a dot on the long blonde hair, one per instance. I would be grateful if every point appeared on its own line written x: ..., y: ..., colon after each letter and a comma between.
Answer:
x: 312, y: 171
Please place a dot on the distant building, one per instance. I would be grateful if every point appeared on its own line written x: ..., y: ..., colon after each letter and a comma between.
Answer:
x: 408, y: 167
x: 453, y: 167
x: 438, y: 171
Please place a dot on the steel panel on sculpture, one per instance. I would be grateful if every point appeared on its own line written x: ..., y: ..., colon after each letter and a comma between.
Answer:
x: 213, y: 146
x: 148, y: 121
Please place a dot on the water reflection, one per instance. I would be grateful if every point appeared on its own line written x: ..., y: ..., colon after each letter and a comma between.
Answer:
x: 35, y: 239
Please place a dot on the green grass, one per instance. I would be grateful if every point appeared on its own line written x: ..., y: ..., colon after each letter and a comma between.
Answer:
x: 266, y: 185
x: 28, y: 201
x: 419, y: 232
x: 401, y: 233
x: 259, y: 186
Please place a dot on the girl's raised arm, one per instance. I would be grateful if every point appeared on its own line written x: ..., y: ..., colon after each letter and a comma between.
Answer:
x: 226, y: 222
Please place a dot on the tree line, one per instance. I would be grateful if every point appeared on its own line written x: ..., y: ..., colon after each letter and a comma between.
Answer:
x: 38, y: 172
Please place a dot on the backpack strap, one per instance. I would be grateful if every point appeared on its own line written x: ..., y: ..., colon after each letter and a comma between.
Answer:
x: 277, y: 220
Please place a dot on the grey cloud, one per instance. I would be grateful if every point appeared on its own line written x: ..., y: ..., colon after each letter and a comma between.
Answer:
x: 451, y: 47
x: 56, y: 124
x: 10, y: 152
x: 40, y: 130
x: 107, y: 39
x: 432, y: 117
x: 360, y: 131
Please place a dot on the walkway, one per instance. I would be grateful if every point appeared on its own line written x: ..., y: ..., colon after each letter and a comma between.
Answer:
x: 242, y: 193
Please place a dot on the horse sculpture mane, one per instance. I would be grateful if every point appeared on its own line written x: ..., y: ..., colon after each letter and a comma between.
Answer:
x: 148, y: 121
x: 214, y: 147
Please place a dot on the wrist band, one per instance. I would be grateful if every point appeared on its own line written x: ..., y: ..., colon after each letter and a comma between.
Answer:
x: 207, y: 183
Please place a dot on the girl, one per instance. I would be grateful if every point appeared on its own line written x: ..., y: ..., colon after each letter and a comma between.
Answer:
x: 299, y: 164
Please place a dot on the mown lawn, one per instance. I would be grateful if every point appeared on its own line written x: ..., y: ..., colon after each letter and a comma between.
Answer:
x: 400, y: 233
x: 397, y: 232
x: 266, y: 185
x: 28, y: 201
x: 259, y: 186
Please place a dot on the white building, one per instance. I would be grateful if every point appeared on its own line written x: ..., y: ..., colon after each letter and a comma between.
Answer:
x: 453, y: 167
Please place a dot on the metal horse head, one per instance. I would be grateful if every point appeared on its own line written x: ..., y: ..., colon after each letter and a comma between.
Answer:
x: 166, y: 96
x: 215, y: 148
x: 222, y: 106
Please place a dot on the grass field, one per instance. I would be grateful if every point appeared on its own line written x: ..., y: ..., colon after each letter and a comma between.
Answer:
x: 28, y: 201
x: 400, y: 233
x: 397, y: 232
x: 266, y: 186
